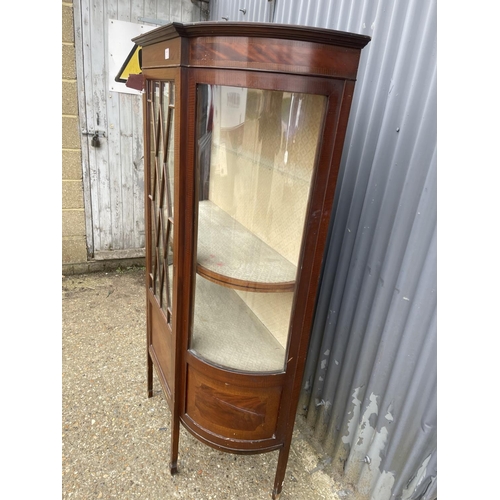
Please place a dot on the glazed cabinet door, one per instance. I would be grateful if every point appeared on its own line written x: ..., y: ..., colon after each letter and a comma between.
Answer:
x: 160, y: 218
x: 255, y: 161
x: 256, y: 156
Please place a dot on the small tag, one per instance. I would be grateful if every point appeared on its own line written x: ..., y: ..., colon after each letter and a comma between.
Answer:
x: 167, y: 53
x: 136, y: 82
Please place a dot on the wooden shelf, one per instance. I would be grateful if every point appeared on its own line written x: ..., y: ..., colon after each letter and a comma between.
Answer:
x: 227, y: 333
x: 232, y: 256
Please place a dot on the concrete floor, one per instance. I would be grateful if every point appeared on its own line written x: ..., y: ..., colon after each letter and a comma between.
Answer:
x: 116, y: 440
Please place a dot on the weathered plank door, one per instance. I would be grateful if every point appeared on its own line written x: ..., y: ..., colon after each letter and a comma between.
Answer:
x: 112, y: 160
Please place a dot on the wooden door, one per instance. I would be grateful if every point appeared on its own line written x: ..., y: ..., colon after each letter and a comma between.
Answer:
x: 113, y: 170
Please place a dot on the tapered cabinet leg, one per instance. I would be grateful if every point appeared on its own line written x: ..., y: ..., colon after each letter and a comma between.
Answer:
x: 150, y: 376
x: 280, y: 471
x: 174, y: 445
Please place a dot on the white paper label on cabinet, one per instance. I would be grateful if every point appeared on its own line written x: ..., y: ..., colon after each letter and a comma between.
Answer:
x: 167, y: 53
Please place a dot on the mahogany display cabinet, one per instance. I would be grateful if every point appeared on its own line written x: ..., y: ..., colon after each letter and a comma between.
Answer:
x: 244, y: 128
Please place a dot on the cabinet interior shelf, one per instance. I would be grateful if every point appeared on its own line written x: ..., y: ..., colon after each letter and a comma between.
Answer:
x: 231, y: 255
x: 235, y: 339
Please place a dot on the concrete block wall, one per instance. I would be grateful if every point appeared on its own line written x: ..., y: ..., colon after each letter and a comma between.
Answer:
x: 74, y: 247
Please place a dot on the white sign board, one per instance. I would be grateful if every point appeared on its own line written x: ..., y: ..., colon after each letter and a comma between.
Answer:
x: 120, y: 34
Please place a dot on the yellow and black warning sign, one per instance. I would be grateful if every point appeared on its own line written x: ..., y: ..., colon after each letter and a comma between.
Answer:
x: 131, y: 66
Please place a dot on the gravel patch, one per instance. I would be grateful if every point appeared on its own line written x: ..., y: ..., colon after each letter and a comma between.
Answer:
x: 115, y: 440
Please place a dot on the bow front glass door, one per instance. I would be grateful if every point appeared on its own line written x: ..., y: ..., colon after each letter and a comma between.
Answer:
x: 256, y: 152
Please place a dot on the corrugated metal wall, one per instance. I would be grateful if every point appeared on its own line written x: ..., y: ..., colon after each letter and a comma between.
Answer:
x: 370, y: 383
x: 242, y: 10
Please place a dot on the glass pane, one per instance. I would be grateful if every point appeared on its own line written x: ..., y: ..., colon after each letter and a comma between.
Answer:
x: 169, y: 114
x: 256, y: 154
x: 154, y: 174
x: 161, y: 191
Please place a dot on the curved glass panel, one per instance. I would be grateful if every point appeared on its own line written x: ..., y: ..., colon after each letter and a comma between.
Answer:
x: 256, y: 151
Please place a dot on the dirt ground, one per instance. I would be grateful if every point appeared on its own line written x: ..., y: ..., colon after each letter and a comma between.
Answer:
x: 115, y: 440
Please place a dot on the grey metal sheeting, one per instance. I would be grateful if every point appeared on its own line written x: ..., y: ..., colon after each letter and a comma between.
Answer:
x: 242, y: 10
x: 369, y: 388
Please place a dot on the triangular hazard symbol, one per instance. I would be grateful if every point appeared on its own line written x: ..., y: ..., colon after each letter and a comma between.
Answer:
x: 131, y: 66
